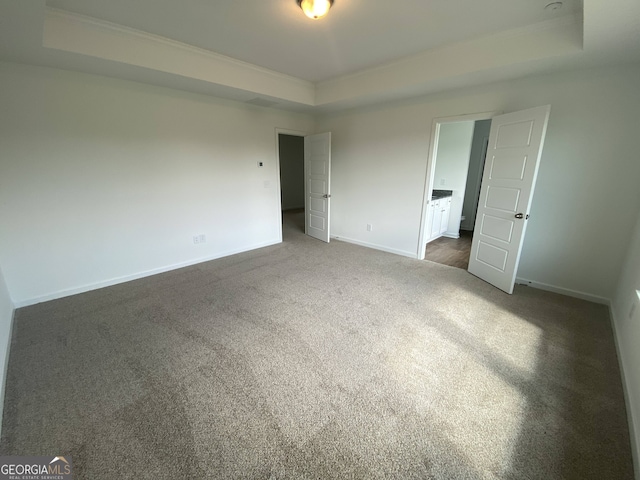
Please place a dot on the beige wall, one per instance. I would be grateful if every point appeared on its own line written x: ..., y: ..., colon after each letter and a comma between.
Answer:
x: 452, y: 164
x: 105, y: 180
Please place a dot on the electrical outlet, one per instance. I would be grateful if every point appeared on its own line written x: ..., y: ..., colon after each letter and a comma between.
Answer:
x: 197, y: 239
x: 442, y: 182
x: 369, y: 227
x: 261, y: 164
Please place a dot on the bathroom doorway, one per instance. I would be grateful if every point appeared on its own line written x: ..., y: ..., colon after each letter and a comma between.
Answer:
x: 457, y: 166
x: 515, y: 147
x: 449, y: 250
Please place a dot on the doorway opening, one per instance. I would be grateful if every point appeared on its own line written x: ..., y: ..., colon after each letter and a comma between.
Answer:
x: 508, y: 181
x: 454, y: 177
x: 292, y: 195
x: 314, y: 161
x: 459, y: 164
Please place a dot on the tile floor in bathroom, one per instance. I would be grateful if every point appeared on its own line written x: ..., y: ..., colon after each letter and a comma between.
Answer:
x: 451, y: 251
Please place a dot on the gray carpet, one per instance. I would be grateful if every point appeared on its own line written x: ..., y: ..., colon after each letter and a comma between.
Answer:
x: 308, y: 360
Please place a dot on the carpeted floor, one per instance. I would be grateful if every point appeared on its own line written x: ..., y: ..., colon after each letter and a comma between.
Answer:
x: 311, y: 360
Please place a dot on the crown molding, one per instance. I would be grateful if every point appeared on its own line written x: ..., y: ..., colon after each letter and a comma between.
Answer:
x: 81, y: 34
x: 542, y: 40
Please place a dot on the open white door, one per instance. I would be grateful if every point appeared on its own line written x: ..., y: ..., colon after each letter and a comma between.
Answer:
x: 317, y: 171
x: 511, y: 168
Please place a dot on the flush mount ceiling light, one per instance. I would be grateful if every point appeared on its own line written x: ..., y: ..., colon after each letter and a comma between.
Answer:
x: 315, y: 8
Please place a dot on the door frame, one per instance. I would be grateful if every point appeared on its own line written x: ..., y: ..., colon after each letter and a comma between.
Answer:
x: 294, y: 133
x: 431, y: 163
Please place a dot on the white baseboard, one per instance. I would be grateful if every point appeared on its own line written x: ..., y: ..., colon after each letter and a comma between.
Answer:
x: 135, y: 276
x: 5, y: 367
x: 375, y: 246
x: 634, y: 428
x: 451, y: 235
x: 564, y: 291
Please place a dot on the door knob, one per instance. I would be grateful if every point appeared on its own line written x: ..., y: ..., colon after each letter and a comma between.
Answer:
x: 519, y: 215
x: 326, y: 195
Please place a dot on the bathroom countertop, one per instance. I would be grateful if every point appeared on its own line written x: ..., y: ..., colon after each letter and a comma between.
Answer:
x: 436, y: 194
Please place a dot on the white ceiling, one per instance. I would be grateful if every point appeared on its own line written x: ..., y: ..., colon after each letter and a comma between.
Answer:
x: 364, y: 51
x: 355, y: 35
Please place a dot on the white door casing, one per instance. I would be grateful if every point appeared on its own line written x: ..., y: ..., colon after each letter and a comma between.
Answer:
x: 508, y: 181
x: 426, y: 220
x: 317, y: 170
